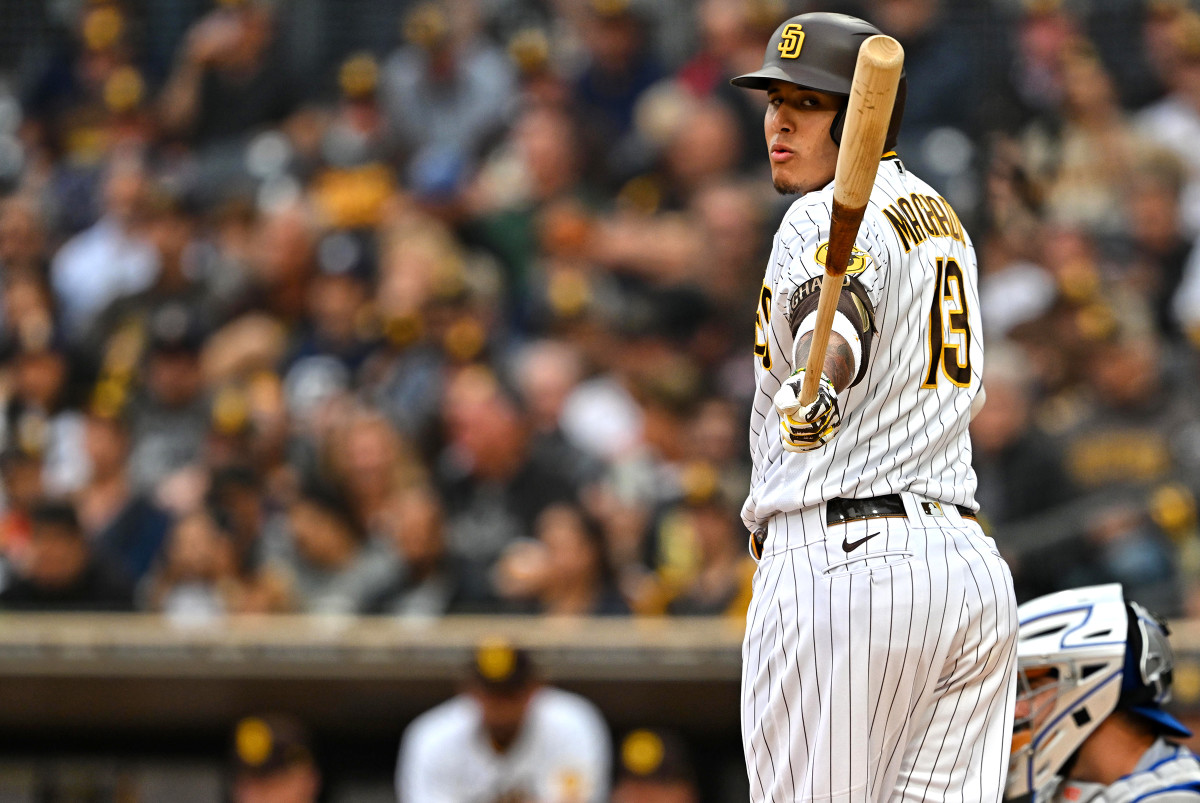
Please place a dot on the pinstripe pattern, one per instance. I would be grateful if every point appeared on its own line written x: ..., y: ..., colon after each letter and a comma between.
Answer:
x: 886, y: 673
x: 886, y: 676
x: 895, y: 435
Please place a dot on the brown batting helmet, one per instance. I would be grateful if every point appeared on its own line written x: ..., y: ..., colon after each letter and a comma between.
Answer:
x: 818, y: 51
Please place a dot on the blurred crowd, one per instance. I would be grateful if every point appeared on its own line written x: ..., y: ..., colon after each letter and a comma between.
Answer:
x: 458, y: 316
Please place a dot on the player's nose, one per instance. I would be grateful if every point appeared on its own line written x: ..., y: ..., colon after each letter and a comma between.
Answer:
x: 781, y: 122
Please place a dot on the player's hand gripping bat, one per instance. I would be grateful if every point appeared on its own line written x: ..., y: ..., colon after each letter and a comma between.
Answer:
x: 872, y: 94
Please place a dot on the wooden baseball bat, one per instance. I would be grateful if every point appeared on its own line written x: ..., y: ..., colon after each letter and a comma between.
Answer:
x: 868, y: 113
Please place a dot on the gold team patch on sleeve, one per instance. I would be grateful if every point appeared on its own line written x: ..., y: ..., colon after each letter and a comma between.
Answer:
x: 859, y: 260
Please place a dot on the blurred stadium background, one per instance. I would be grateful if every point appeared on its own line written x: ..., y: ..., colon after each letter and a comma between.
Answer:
x: 336, y: 335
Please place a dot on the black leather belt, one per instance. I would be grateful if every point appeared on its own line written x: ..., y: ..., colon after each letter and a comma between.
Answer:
x: 841, y: 511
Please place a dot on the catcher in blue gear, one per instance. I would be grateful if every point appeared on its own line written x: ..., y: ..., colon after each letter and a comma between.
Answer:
x: 1094, y: 673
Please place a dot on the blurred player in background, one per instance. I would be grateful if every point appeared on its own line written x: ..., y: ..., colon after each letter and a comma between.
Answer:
x: 273, y: 762
x: 1095, y: 671
x: 654, y: 768
x: 506, y: 739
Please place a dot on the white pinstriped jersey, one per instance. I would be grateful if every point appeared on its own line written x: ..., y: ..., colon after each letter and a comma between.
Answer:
x: 561, y: 754
x: 904, y: 426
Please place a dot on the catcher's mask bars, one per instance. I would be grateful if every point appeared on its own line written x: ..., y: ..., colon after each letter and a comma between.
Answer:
x: 818, y: 51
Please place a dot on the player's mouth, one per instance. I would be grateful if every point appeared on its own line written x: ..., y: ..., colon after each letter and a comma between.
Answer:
x: 781, y: 153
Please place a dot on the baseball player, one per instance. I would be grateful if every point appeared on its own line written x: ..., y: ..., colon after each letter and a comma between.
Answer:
x: 879, y: 657
x: 273, y: 762
x: 507, y: 739
x: 654, y: 768
x: 1094, y: 673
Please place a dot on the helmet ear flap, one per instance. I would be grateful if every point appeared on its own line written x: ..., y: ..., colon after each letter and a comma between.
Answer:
x: 838, y: 124
x: 893, y: 132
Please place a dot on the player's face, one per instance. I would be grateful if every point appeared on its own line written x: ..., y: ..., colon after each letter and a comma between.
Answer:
x: 296, y: 784
x: 503, y: 713
x: 1038, y: 687
x: 637, y: 791
x: 802, y: 154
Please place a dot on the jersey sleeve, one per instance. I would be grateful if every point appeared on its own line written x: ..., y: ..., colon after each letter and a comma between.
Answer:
x: 803, y: 247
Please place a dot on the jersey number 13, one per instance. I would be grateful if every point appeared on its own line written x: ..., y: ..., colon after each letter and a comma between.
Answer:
x: 949, y: 328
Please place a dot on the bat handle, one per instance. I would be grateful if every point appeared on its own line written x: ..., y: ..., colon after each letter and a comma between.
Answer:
x: 831, y: 288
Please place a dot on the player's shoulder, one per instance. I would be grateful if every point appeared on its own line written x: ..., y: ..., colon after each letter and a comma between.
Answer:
x: 808, y: 217
x: 1189, y: 793
x: 895, y: 182
x: 1173, y: 778
x: 565, y: 713
x: 450, y: 721
x: 905, y: 210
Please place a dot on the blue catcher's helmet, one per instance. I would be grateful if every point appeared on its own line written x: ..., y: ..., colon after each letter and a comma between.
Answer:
x: 1081, y: 655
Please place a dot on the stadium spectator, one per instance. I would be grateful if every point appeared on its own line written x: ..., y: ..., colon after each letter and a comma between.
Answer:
x: 336, y: 295
x: 28, y: 313
x: 1159, y: 249
x: 547, y: 374
x: 122, y: 523
x: 1174, y: 120
x: 1087, y: 157
x: 720, y: 582
x: 567, y: 571
x: 169, y: 417
x: 332, y: 565
x: 170, y: 224
x: 372, y: 463
x: 429, y: 580
x: 226, y: 81
x: 23, y: 245
x: 196, y: 572
x: 357, y: 135
x: 110, y: 259
x: 39, y: 413
x: 443, y: 92
x: 281, y: 259
x: 21, y: 473
x: 238, y: 506
x: 620, y: 67
x: 506, y: 737
x: 1019, y: 464
x: 941, y: 66
x: 493, y: 482
x: 61, y: 573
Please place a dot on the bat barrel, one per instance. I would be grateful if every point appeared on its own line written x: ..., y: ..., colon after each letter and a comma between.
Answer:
x: 868, y: 116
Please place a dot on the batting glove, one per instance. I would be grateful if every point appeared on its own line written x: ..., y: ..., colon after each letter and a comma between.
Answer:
x: 804, y: 428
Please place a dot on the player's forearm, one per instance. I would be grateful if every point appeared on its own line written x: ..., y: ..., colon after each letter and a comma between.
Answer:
x: 839, y: 359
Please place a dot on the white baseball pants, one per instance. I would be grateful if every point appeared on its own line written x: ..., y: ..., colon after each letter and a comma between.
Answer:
x: 885, y: 672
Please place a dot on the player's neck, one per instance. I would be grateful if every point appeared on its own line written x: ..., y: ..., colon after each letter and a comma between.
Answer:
x: 1112, y: 751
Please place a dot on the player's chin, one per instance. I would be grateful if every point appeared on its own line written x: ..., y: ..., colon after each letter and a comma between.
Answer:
x: 785, y: 184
